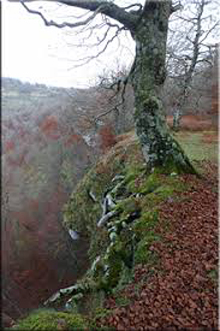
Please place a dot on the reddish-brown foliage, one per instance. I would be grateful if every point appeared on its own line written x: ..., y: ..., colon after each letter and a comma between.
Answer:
x: 50, y: 127
x: 210, y: 138
x: 73, y: 139
x: 180, y: 294
x: 193, y: 122
x: 9, y: 146
x: 108, y: 138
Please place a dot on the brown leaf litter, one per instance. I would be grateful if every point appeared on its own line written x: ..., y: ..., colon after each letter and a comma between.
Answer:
x: 182, y: 292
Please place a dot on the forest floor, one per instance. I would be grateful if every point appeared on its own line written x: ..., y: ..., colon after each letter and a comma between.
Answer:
x: 181, y: 292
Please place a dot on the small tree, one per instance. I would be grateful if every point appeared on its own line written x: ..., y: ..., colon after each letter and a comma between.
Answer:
x: 148, y: 26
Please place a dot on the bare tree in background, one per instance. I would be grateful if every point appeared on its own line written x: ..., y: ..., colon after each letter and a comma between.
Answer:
x: 189, y: 53
x: 118, y: 102
x: 148, y: 26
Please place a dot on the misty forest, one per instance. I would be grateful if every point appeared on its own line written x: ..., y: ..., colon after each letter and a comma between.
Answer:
x: 110, y: 193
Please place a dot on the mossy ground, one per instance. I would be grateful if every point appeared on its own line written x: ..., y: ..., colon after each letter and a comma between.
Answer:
x: 125, y: 243
x: 49, y: 320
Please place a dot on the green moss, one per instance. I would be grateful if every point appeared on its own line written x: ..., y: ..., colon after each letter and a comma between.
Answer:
x: 164, y: 191
x: 117, y: 260
x: 133, y: 172
x: 111, y: 276
x: 128, y: 206
x: 46, y: 320
x: 166, y: 186
x: 151, y: 183
x: 134, y: 175
x: 81, y: 213
x: 147, y: 222
x: 143, y: 254
x: 90, y: 302
x: 101, y: 313
x: 213, y: 274
x: 126, y: 277
x: 98, y: 243
x: 122, y: 301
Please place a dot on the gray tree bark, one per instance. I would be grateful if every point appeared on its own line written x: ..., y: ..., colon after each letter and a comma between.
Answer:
x: 148, y: 74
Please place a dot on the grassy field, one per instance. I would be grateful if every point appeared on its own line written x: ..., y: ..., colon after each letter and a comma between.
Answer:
x: 199, y: 145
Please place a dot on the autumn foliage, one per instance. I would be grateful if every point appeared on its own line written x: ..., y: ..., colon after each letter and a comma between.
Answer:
x: 37, y: 254
x: 108, y: 137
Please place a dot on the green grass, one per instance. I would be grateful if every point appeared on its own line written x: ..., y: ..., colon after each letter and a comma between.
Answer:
x: 213, y: 275
x: 196, y: 148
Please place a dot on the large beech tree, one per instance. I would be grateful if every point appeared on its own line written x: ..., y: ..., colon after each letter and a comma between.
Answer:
x: 148, y: 25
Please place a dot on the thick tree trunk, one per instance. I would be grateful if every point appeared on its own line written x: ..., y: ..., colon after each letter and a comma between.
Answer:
x: 148, y: 74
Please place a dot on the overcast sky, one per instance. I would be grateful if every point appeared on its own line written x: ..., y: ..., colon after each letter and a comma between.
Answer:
x: 36, y: 53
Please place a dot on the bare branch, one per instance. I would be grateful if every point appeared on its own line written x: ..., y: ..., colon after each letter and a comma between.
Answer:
x: 210, y: 30
x: 176, y: 7
x: 64, y: 24
x: 118, y: 83
x: 88, y: 59
x: 128, y: 19
x: 133, y: 5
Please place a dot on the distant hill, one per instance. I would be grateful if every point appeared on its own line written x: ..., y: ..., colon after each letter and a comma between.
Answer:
x: 80, y: 105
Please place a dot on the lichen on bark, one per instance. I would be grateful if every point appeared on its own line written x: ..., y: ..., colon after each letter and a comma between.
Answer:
x: 148, y: 74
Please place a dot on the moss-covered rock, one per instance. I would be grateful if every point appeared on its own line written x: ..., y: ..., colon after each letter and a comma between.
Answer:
x: 82, y: 213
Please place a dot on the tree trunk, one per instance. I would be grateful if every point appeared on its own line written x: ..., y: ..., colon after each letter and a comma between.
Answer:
x: 148, y: 74
x: 176, y: 119
x: 177, y: 116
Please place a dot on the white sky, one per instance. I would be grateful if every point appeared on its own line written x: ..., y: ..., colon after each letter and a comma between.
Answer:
x: 35, y: 53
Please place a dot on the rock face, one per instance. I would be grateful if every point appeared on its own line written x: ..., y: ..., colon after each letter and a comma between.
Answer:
x: 43, y: 158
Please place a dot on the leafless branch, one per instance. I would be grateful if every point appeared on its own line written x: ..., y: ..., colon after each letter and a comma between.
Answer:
x: 63, y: 24
x: 88, y: 59
x: 209, y: 31
x: 121, y: 81
x: 127, y: 19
